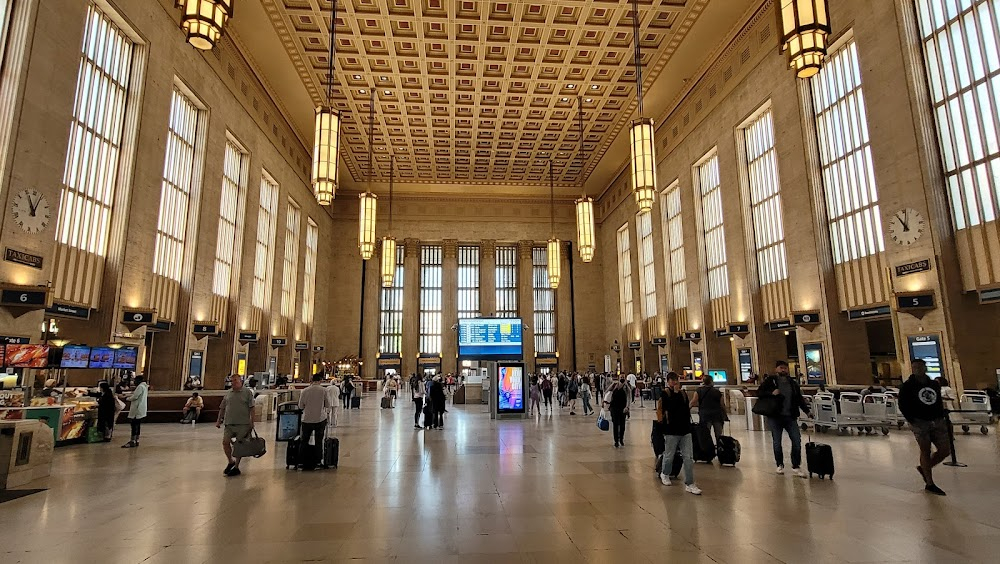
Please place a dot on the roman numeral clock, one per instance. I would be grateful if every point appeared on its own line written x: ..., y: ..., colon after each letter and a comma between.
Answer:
x: 906, y: 226
x: 31, y: 211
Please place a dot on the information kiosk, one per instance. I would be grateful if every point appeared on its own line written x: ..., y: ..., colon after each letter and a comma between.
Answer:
x: 498, y: 343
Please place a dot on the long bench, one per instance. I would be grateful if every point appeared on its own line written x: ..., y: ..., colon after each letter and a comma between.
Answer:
x: 168, y: 407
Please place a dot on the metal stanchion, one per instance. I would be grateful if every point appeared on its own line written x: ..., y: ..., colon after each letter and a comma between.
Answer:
x: 951, y: 441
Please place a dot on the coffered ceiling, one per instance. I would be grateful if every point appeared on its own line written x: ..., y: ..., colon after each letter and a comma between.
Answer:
x: 477, y: 96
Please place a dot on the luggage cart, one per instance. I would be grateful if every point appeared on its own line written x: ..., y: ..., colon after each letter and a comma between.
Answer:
x: 892, y: 409
x: 876, y: 411
x: 975, y: 408
x: 824, y: 412
x: 851, y: 414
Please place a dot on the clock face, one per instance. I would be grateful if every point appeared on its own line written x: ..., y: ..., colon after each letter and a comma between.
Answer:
x: 31, y: 211
x: 906, y: 226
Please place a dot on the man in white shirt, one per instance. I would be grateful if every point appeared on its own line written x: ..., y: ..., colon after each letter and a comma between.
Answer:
x: 631, y: 385
x: 314, y: 405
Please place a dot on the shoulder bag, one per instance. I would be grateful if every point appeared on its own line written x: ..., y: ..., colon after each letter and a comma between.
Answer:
x: 252, y: 445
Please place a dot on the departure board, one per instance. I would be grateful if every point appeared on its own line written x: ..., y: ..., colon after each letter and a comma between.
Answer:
x: 490, y: 339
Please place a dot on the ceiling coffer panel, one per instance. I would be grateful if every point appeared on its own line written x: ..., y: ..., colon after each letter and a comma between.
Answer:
x: 463, y: 77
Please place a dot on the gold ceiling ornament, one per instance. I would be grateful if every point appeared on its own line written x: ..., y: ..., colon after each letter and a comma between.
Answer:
x: 326, y: 133
x: 554, y: 254
x: 805, y: 25
x: 389, y: 242
x: 641, y: 134
x: 204, y: 21
x: 369, y: 201
x: 584, y: 207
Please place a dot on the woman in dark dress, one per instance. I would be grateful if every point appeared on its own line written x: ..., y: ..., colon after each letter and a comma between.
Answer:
x: 106, y: 411
x: 438, y: 401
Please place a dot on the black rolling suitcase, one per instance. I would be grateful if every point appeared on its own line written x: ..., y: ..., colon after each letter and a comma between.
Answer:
x: 701, y: 444
x: 356, y: 402
x: 385, y: 402
x: 659, y: 445
x: 292, y: 453
x: 729, y: 451
x: 819, y: 459
x: 675, y: 467
x: 331, y: 452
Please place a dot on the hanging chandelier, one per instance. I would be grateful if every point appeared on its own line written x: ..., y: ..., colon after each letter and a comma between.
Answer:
x: 554, y: 254
x: 804, y: 25
x: 369, y: 201
x: 203, y: 21
x: 389, y: 242
x: 326, y: 134
x: 641, y: 134
x: 584, y: 207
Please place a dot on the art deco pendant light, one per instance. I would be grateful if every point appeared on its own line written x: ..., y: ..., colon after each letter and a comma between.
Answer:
x: 389, y: 242
x: 804, y: 26
x: 204, y: 21
x: 641, y: 135
x: 326, y: 134
x: 584, y: 207
x: 369, y: 201
x: 554, y: 254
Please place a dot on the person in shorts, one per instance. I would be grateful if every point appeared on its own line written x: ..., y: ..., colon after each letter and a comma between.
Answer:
x: 920, y: 402
x: 236, y: 413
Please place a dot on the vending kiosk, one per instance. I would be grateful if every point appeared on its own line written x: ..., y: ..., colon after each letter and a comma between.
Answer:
x: 508, y: 399
x: 497, y: 344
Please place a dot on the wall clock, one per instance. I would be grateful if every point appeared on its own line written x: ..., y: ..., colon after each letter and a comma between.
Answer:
x: 906, y: 226
x: 31, y: 211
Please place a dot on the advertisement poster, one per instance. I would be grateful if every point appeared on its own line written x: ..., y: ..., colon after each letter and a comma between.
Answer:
x: 698, y: 363
x: 745, y: 360
x: 26, y: 356
x: 815, y: 371
x: 126, y: 357
x: 510, y: 391
x: 928, y: 349
x: 664, y: 364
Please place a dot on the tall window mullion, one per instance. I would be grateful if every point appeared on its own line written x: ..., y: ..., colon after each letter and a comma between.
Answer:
x: 267, y: 220
x: 227, y: 248
x: 765, y: 199
x: 391, y: 311
x: 431, y: 269
x: 506, y: 281
x: 175, y: 194
x: 713, y: 228
x: 673, y: 239
x: 468, y: 282
x: 625, y: 274
x: 647, y: 271
x: 309, y: 283
x: 290, y: 263
x: 845, y: 157
x: 545, y: 302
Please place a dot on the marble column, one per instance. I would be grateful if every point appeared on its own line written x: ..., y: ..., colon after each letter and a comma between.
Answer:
x: 449, y: 307
x: 370, y: 309
x: 411, y: 306
x: 526, y: 300
x: 564, y: 310
x: 488, y: 278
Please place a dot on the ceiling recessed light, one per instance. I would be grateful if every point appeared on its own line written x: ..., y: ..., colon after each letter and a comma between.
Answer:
x: 571, y: 86
x: 594, y: 87
x: 357, y: 77
x: 565, y: 99
x: 589, y: 100
x: 387, y: 92
x: 383, y: 78
x: 363, y: 91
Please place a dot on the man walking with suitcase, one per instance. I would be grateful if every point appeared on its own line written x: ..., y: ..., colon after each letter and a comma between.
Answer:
x: 314, y: 405
x: 236, y: 413
x: 920, y: 401
x: 676, y: 408
x: 785, y: 417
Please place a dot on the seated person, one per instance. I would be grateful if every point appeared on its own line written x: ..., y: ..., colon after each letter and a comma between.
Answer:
x: 193, y: 407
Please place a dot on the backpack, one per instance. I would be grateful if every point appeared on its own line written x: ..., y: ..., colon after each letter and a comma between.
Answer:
x: 573, y: 387
x: 547, y: 385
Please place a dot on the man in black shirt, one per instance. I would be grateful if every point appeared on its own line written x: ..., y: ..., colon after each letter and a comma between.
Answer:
x: 675, y: 407
x: 786, y: 419
x: 921, y: 405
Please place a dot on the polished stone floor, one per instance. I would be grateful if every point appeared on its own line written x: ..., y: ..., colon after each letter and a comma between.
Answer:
x: 544, y: 490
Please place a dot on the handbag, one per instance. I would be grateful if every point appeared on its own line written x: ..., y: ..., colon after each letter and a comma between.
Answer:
x: 602, y: 422
x: 769, y: 405
x: 252, y: 445
x: 119, y: 405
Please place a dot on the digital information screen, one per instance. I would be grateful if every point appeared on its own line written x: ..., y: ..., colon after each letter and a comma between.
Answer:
x: 718, y: 376
x: 490, y: 339
x: 126, y: 357
x: 926, y: 348
x: 26, y: 356
x: 102, y: 357
x: 510, y: 389
x: 75, y: 356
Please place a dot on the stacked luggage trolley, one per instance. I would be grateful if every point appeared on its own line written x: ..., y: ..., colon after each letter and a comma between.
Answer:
x: 864, y: 414
x: 973, y: 409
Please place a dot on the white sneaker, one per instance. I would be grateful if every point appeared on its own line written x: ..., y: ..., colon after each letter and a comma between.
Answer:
x: 799, y: 472
x: 692, y: 489
x: 664, y: 479
x: 780, y: 470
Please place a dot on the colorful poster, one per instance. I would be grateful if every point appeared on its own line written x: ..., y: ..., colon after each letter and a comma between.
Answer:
x: 26, y: 356
x: 815, y: 371
x: 510, y: 391
x: 697, y: 363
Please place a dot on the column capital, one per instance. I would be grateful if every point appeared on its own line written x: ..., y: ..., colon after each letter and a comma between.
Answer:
x: 488, y: 249
x: 411, y: 247
x: 450, y: 247
x: 524, y: 248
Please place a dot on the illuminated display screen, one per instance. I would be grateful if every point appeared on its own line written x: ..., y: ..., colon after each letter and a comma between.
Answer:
x: 510, y: 389
x: 75, y: 356
x: 490, y: 339
x: 126, y: 357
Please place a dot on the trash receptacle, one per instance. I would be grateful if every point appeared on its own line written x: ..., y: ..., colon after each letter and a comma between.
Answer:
x: 289, y: 420
x: 754, y: 422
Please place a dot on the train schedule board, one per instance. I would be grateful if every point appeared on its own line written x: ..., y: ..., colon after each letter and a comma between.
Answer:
x: 490, y: 339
